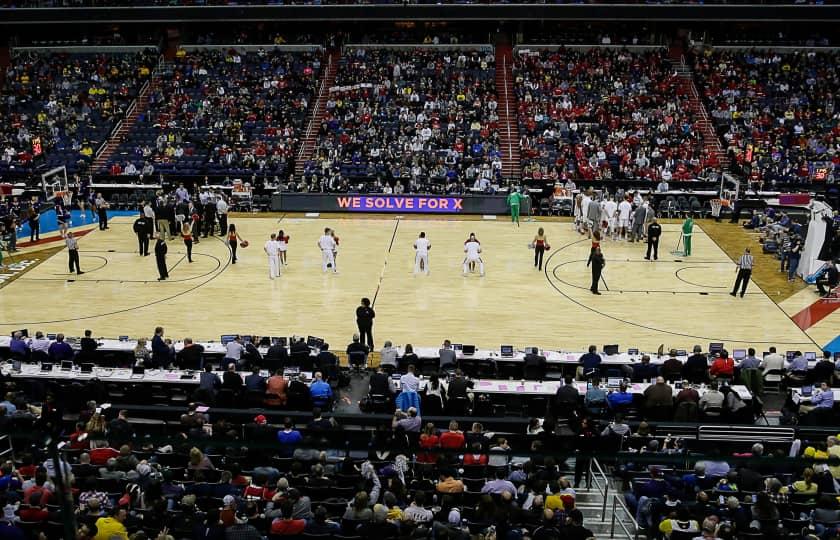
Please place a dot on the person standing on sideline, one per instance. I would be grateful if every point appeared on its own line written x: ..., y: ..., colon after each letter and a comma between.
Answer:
x: 186, y: 235
x: 101, y: 211
x: 149, y: 212
x: 232, y: 239
x: 271, y: 249
x: 160, y: 258
x: 473, y: 250
x: 73, y: 251
x: 210, y: 217
x: 654, y: 231
x: 327, y: 246
x: 514, y: 200
x: 744, y: 267
x: 597, y: 262
x: 687, y: 231
x: 364, y: 320
x: 624, y: 209
x: 141, y: 229
x: 540, y: 245
x: 282, y: 246
x: 34, y: 218
x: 421, y: 255
x: 793, y: 256
x: 222, y: 211
x: 163, y: 222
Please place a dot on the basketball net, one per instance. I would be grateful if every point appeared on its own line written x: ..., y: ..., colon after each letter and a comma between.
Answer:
x: 717, y: 204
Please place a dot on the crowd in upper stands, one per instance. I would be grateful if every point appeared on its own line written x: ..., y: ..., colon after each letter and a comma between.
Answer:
x: 776, y: 112
x: 68, y: 102
x: 605, y: 114
x: 222, y: 112
x: 410, y: 116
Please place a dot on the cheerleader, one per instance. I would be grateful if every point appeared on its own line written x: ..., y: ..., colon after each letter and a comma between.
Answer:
x: 232, y: 239
x: 472, y: 238
x: 186, y: 234
x: 335, y: 250
x: 540, y: 245
x: 283, y: 244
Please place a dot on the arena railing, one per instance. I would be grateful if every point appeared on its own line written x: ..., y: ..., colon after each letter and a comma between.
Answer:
x: 623, y: 520
x: 602, y: 483
x: 316, y: 104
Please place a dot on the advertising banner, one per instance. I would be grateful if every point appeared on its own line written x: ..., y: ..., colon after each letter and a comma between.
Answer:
x: 397, y: 204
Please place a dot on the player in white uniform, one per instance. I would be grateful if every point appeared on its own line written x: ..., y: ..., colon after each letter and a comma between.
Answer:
x: 271, y: 249
x: 473, y: 250
x: 421, y: 255
x: 610, y: 208
x: 327, y: 246
x: 624, y: 208
x: 584, y: 212
x: 282, y: 246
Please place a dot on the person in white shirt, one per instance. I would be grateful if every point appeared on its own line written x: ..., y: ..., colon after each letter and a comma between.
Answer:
x: 624, y: 208
x: 234, y: 350
x: 773, y: 361
x: 327, y: 246
x: 421, y: 255
x: 222, y: 212
x: 473, y: 250
x: 271, y: 249
x: 610, y: 208
x: 40, y: 343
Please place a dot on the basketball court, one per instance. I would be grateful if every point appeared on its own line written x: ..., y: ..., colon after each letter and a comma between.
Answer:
x: 675, y: 302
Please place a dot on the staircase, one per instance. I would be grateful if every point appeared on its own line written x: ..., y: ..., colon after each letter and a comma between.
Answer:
x: 597, y: 516
x: 711, y: 142
x: 123, y: 127
x: 507, y: 110
x: 310, y: 138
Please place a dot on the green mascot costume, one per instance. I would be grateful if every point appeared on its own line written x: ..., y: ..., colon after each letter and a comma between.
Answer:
x: 514, y: 200
x: 687, y: 229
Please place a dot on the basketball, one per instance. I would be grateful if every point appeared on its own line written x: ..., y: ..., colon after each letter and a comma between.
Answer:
x: 243, y: 244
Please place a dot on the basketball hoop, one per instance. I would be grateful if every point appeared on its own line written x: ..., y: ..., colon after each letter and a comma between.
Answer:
x: 66, y: 197
x: 717, y: 204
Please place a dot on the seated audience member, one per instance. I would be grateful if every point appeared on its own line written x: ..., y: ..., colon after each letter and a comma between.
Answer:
x: 723, y: 366
x: 644, y: 370
x: 659, y: 394
x: 823, y: 399
x: 447, y: 356
x: 60, y: 350
x: 388, y: 356
x: 321, y: 391
x: 823, y: 370
x: 711, y: 402
x: 672, y: 368
x: 589, y: 361
x: 696, y: 368
x: 620, y: 398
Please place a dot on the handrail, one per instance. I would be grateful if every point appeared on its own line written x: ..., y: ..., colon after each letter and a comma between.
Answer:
x: 619, y: 504
x: 315, y: 109
x: 507, y: 108
x: 597, y: 473
x: 131, y: 107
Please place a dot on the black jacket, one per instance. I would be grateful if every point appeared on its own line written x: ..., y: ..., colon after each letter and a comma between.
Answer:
x: 160, y: 249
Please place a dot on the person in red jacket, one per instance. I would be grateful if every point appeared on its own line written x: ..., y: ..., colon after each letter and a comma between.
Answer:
x: 476, y: 457
x: 287, y: 525
x: 723, y: 366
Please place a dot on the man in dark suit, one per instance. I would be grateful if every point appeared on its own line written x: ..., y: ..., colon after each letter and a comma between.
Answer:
x: 232, y: 380
x: 447, y: 355
x: 696, y: 368
x: 567, y: 395
x: 534, y: 365
x: 255, y: 382
x: 459, y: 386
x: 380, y: 383
x: 160, y: 350
x: 191, y: 356
x: 160, y: 259
x: 276, y: 357
x: 326, y: 360
x: 299, y: 349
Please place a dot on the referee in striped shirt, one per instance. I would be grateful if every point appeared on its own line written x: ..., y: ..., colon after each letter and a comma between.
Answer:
x: 745, y: 266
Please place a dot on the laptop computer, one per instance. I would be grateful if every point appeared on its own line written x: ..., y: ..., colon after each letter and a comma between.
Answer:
x: 810, y: 356
x: 610, y: 350
x: 806, y: 391
x: 51, y: 337
x: 87, y: 368
x: 457, y: 347
x: 614, y: 382
x: 715, y: 347
x: 66, y: 365
x: 468, y: 349
x: 739, y: 354
x: 227, y: 338
x: 279, y: 340
x: 507, y: 351
x: 137, y: 372
x: 46, y: 366
x: 633, y: 352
